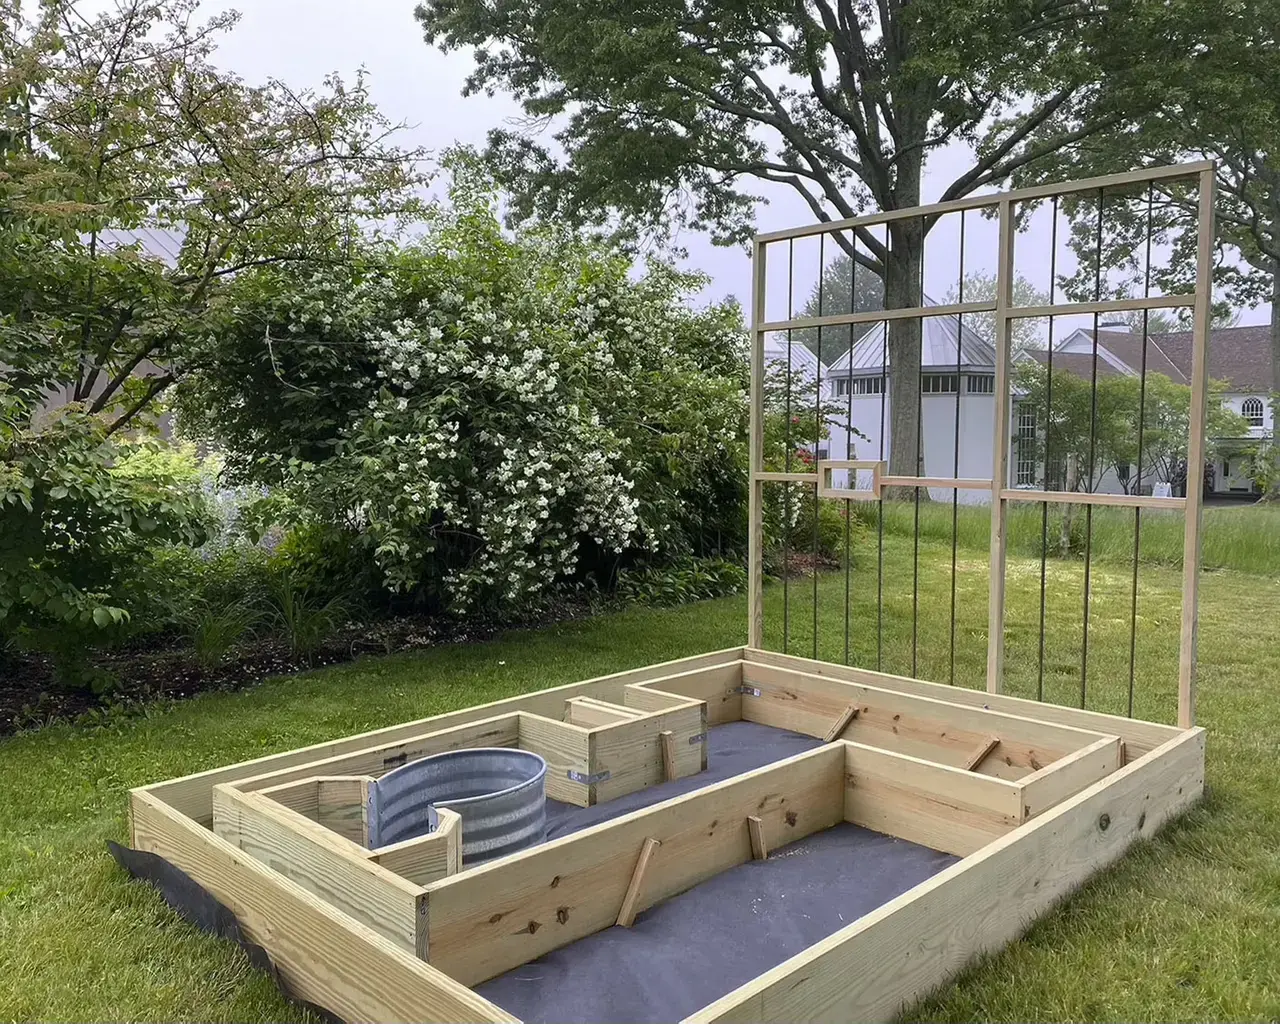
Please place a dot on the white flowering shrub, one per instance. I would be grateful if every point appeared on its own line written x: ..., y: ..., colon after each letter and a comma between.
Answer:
x: 490, y: 415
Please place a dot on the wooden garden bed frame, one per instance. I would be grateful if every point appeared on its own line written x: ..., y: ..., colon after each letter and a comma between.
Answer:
x: 1034, y: 797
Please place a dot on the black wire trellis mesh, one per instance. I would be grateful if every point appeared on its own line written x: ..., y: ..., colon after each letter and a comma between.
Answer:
x: 1023, y: 444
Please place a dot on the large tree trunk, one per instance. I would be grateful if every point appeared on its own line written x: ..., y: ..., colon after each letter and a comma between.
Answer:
x: 902, y: 290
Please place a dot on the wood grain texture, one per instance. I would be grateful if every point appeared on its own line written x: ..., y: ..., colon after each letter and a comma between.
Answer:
x: 193, y: 794
x: 1000, y: 447
x: 499, y: 731
x: 980, y: 753
x: 630, y: 902
x: 322, y: 862
x: 943, y: 808
x: 840, y: 724
x: 566, y: 748
x: 425, y: 859
x: 755, y: 832
x: 631, y: 752
x: 342, y: 805
x: 1092, y: 498
x: 1139, y: 737
x: 324, y: 956
x: 874, y: 968
x: 1065, y: 778
x: 494, y: 917
x: 926, y: 727
x: 718, y: 686
x: 591, y: 713
x: 1191, y: 537
x: 668, y: 740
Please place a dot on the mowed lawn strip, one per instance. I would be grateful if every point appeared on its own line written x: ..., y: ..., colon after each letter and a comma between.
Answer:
x: 1185, y: 928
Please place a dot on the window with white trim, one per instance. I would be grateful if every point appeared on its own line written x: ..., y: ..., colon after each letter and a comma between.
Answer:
x: 1251, y: 410
x: 1024, y: 470
x: 980, y: 384
x: 939, y: 383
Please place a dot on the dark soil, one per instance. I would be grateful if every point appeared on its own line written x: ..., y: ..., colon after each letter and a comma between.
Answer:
x: 162, y: 668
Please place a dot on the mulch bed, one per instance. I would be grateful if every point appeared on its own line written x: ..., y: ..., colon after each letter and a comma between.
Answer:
x: 162, y: 668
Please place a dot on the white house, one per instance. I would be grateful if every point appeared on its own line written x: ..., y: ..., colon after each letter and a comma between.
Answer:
x: 957, y: 396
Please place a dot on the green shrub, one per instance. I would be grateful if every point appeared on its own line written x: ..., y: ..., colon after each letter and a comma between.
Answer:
x: 688, y: 579
x: 484, y: 416
x: 303, y: 621
x: 217, y: 630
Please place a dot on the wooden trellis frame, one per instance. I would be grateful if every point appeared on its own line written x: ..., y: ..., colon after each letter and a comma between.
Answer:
x: 1033, y: 797
x: 1005, y: 312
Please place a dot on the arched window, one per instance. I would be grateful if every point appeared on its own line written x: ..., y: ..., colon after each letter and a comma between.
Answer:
x: 1251, y: 410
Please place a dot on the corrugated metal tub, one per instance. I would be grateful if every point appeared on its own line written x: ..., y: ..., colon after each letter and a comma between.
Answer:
x: 499, y: 793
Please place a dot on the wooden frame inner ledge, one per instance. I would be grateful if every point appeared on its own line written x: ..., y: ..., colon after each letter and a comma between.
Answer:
x: 403, y: 932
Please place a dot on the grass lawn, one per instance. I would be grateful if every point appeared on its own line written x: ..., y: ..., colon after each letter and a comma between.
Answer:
x: 1187, y: 927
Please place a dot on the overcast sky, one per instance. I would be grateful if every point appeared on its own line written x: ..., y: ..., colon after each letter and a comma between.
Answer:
x: 300, y: 41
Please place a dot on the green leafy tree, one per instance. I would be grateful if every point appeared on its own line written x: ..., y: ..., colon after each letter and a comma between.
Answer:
x: 666, y: 116
x: 980, y: 286
x: 114, y: 121
x: 1085, y: 431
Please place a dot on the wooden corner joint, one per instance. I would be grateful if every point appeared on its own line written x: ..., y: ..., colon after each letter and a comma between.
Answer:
x: 841, y: 723
x: 630, y: 902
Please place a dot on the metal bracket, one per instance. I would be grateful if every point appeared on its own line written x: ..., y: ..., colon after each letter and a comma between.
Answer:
x: 699, y: 738
x: 589, y: 780
x: 747, y: 691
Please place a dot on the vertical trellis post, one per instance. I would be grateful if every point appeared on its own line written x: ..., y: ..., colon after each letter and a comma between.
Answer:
x: 755, y: 513
x: 1195, y: 454
x: 1000, y: 448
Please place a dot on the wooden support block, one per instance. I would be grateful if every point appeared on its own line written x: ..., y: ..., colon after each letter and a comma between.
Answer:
x: 755, y: 828
x: 668, y: 755
x: 627, y: 915
x: 980, y: 753
x: 841, y: 723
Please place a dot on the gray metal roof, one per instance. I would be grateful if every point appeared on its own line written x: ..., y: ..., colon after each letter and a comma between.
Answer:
x: 940, y: 339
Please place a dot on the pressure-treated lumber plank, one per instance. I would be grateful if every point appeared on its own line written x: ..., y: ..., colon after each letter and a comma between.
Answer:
x: 630, y: 902
x: 323, y: 956
x: 591, y: 713
x: 1092, y: 498
x: 631, y: 752
x: 944, y: 808
x: 1065, y: 778
x: 840, y: 724
x: 322, y: 862
x: 1008, y: 234
x: 426, y: 859
x: 980, y: 753
x: 193, y: 794
x: 343, y: 806
x: 1191, y: 525
x: 1139, y: 737
x: 975, y: 202
x: 642, y: 698
x: 302, y: 796
x: 567, y: 749
x: 668, y: 740
x: 937, y: 730
x: 755, y: 830
x: 718, y: 686
x: 755, y: 450
x: 497, y: 916
x: 499, y: 731
x: 872, y: 969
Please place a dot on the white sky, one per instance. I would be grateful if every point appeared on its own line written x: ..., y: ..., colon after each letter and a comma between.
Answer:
x: 300, y: 41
